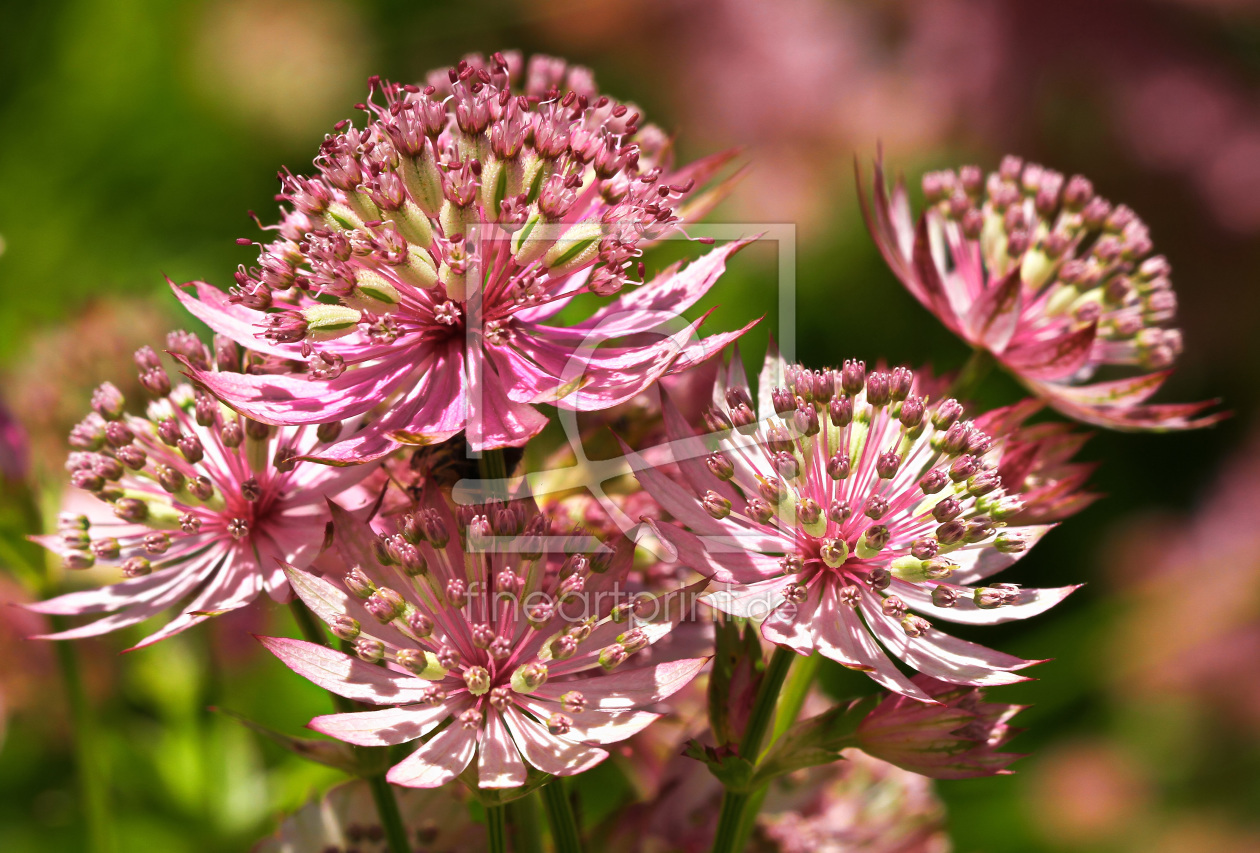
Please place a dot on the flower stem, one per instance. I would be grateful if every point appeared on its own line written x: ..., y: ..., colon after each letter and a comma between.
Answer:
x: 523, y: 822
x: 564, y: 828
x: 496, y: 826
x: 734, y: 803
x: 387, y: 810
x: 382, y: 793
x: 973, y: 373
x: 792, y: 699
x: 100, y: 835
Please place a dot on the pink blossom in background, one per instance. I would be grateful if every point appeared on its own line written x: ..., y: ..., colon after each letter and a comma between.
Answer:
x: 1051, y: 279
x: 500, y: 626
x: 471, y: 211
x: 848, y: 507
x: 192, y: 502
x: 957, y: 739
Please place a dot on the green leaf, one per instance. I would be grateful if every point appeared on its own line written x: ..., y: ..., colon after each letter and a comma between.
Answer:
x: 732, y: 770
x: 817, y: 740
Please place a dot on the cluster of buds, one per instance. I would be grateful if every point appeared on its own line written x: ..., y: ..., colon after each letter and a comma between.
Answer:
x: 1081, y: 260
x: 852, y: 492
x: 1050, y: 278
x: 497, y: 620
x: 194, y: 499
x: 470, y: 209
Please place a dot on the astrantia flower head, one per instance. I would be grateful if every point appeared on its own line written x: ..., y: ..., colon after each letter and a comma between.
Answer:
x: 518, y: 639
x: 419, y: 268
x: 850, y: 509
x: 957, y: 739
x: 1047, y: 276
x: 195, y: 501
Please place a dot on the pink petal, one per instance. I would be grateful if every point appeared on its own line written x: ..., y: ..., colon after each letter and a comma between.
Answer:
x: 994, y: 316
x: 499, y: 763
x: 240, y: 324
x: 547, y: 752
x: 939, y: 655
x: 797, y: 625
x: 344, y: 675
x: 627, y: 689
x: 235, y: 585
x: 386, y: 727
x: 852, y: 644
x: 978, y: 563
x: 1055, y: 358
x: 438, y: 761
x: 965, y: 612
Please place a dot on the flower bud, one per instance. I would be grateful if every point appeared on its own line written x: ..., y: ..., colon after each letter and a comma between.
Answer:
x: 326, y: 322
x: 853, y: 376
x: 839, y: 511
x: 840, y: 410
x: 358, y: 583
x: 720, y: 465
x: 715, y: 505
x: 421, y: 664
x: 946, y: 414
x: 834, y: 552
x: 385, y: 605
x: 528, y: 678
x: 108, y: 402
x: 887, y: 464
x: 610, y: 657
x: 345, y: 628
x: 838, y: 466
x: 420, y: 625
x: 136, y: 567
x: 369, y: 649
x: 477, y: 680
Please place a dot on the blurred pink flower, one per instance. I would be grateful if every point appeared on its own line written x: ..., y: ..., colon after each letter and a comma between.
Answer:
x: 503, y: 626
x: 449, y: 229
x: 193, y: 501
x: 958, y: 739
x: 847, y: 505
x: 1049, y: 278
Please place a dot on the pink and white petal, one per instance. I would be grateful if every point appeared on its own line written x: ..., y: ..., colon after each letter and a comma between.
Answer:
x: 1032, y: 602
x: 854, y: 645
x: 114, y: 597
x: 993, y: 317
x: 133, y: 614
x: 547, y: 752
x: 596, y: 727
x: 1055, y: 358
x: 700, y: 351
x: 939, y: 655
x: 438, y: 761
x: 499, y: 762
x: 494, y: 421
x: 388, y: 726
x: 797, y: 625
x: 285, y: 399
x: 751, y: 601
x: 975, y: 564
x: 344, y: 675
x: 240, y: 324
x: 235, y: 585
x: 626, y: 689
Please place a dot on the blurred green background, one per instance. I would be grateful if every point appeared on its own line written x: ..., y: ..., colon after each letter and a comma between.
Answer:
x: 137, y: 133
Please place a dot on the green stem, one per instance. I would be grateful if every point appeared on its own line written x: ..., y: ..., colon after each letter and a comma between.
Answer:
x: 795, y: 690
x: 382, y: 793
x: 100, y: 835
x: 972, y: 375
x: 523, y: 823
x: 564, y: 828
x: 734, y: 803
x: 493, y: 467
x: 496, y: 827
x: 391, y: 819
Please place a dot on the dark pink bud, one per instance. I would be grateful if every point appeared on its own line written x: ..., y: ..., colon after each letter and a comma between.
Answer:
x: 853, y: 376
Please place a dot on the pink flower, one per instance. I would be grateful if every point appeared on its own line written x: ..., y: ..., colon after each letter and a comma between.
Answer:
x: 847, y: 506
x: 1048, y: 277
x: 194, y: 501
x: 420, y: 269
x: 956, y: 739
x: 15, y: 456
x: 523, y: 654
